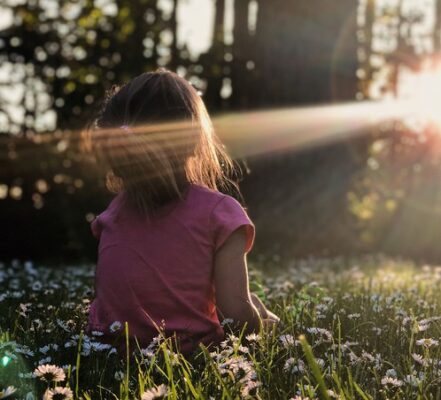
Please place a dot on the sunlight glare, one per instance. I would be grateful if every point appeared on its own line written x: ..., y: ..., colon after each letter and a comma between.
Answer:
x: 422, y: 93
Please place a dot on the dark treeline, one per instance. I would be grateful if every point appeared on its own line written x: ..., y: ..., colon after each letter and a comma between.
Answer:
x: 282, y: 53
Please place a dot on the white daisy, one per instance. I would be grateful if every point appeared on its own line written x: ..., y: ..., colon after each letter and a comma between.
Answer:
x: 7, y: 392
x: 429, y: 342
x: 287, y: 340
x: 50, y: 373
x: 58, y: 393
x: 252, y: 337
x: 418, y: 358
x: 250, y: 388
x: 119, y: 375
x: 388, y: 381
x: 158, y: 392
x: 115, y: 326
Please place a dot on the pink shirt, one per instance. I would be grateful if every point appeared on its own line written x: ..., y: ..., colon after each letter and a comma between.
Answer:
x: 161, y: 271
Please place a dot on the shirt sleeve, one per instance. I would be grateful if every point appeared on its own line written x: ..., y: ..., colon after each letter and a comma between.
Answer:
x: 96, y: 227
x: 227, y: 216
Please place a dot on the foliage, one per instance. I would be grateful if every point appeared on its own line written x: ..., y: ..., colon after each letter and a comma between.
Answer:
x: 60, y: 57
x: 374, y: 192
x: 394, y: 196
x: 366, y: 328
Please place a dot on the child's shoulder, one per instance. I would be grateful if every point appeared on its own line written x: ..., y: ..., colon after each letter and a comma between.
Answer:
x: 211, y: 200
x: 207, y: 195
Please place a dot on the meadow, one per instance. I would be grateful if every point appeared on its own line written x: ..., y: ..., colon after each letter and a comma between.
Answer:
x: 359, y: 329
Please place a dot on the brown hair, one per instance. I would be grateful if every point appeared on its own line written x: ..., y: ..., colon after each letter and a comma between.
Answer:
x: 155, y: 135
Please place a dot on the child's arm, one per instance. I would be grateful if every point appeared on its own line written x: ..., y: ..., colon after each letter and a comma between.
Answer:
x: 268, y: 317
x: 259, y: 305
x: 233, y: 297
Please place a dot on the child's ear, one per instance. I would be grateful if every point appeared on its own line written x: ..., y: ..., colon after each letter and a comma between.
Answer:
x: 114, y: 183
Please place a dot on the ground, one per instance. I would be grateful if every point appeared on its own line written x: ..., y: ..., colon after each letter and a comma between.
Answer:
x: 364, y: 329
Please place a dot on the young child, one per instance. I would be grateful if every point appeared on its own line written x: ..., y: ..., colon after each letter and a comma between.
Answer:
x: 172, y: 247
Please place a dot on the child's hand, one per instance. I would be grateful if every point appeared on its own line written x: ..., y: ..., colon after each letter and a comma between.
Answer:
x: 272, y: 316
x: 271, y: 321
x: 263, y: 312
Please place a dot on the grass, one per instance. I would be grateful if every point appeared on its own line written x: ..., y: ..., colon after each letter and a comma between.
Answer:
x: 367, y: 329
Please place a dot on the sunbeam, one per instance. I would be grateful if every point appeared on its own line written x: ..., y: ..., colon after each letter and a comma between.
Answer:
x: 261, y: 132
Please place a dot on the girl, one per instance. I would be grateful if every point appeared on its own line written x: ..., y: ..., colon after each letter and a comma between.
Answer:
x: 172, y: 247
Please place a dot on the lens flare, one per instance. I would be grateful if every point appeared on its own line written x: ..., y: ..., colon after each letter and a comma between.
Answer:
x: 260, y: 132
x: 421, y: 93
x: 5, y: 360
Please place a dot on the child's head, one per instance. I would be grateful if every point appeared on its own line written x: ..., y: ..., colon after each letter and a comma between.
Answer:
x: 156, y: 137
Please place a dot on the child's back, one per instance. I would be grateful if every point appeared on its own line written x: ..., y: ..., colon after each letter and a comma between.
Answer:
x: 171, y: 254
x: 162, y: 268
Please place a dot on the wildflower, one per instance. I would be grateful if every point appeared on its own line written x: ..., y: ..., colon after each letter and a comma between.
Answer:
x: 378, y: 362
x: 354, y: 359
x: 115, y: 326
x: 367, y: 356
x: 288, y: 364
x: 65, y: 325
x: 119, y: 375
x: 239, y: 367
x: 412, y: 380
x: 298, y: 397
x: 429, y: 342
x: 67, y: 366
x: 321, y: 308
x: 46, y: 348
x: 7, y: 392
x: 391, y: 373
x: 422, y: 327
x: 29, y: 268
x: 173, y: 357
x: 44, y: 361
x: 377, y: 330
x: 243, y: 349
x: 58, y: 393
x: 158, y: 392
x: 25, y: 350
x: 324, y: 334
x: 252, y: 337
x: 26, y: 375
x: 231, y: 338
x: 250, y: 388
x: 388, y: 381
x: 156, y: 341
x: 24, y: 309
x: 227, y: 321
x: 50, y: 373
x: 287, y: 340
x: 300, y: 367
x: 346, y: 346
x: 293, y: 367
x: 147, y: 352
x: 418, y: 358
x: 89, y: 346
x: 354, y: 316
